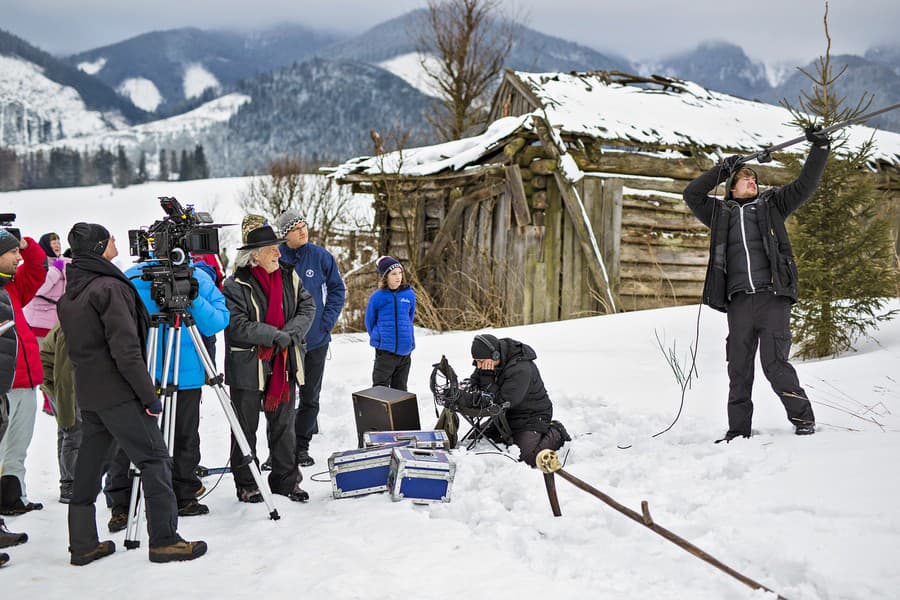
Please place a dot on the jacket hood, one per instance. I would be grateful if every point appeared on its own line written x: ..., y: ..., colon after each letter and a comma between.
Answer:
x: 513, y: 351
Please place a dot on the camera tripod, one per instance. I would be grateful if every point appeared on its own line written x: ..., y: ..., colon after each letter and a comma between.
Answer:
x: 177, y: 320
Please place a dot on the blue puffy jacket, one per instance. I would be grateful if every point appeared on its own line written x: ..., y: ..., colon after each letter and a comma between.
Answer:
x: 321, y: 278
x: 209, y: 312
x: 389, y: 320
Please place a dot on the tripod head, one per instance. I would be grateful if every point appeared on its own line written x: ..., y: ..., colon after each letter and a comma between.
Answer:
x: 171, y: 287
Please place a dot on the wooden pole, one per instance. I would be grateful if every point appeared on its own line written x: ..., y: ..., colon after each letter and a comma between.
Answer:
x: 548, y: 463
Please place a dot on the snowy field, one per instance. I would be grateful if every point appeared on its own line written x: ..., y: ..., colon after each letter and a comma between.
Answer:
x: 809, y: 517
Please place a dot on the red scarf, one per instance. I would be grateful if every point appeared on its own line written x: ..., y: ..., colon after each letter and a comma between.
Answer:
x: 278, y: 388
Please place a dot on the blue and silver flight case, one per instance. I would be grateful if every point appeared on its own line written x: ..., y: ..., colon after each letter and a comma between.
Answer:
x: 421, y: 475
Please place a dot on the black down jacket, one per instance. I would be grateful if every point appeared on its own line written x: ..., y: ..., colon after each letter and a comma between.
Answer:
x: 247, y: 330
x: 775, y: 205
x: 518, y: 381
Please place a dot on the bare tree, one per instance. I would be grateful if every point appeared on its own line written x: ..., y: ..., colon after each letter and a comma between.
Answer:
x: 293, y: 184
x: 469, y: 40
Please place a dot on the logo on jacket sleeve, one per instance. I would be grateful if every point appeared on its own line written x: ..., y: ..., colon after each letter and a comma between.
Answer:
x: 310, y: 273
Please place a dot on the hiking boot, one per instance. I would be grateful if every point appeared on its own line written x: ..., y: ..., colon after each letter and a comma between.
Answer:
x: 119, y: 519
x: 805, y: 429
x: 249, y: 494
x: 304, y: 459
x: 267, y: 465
x: 730, y: 435
x: 192, y: 508
x: 180, y: 550
x: 4, y: 558
x: 65, y: 494
x: 20, y: 508
x: 8, y: 538
x: 298, y: 494
x: 562, y: 431
x: 99, y: 551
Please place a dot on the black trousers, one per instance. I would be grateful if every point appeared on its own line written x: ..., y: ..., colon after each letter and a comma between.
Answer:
x: 391, y: 370
x: 308, y: 412
x: 532, y: 442
x: 761, y: 321
x: 138, y: 435
x: 186, y: 451
x: 280, y: 434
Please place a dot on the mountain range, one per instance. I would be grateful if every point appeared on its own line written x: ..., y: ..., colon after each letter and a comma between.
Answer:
x: 250, y: 97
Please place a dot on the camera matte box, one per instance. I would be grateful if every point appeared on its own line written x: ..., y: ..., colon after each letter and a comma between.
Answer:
x: 360, y: 471
x: 425, y: 438
x: 421, y: 475
x: 384, y: 409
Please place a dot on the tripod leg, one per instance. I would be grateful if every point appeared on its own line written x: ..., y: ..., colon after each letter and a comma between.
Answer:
x: 135, y: 504
x: 236, y: 429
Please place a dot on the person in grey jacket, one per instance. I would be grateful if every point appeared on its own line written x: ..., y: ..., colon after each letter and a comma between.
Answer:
x: 752, y: 276
x: 270, y: 314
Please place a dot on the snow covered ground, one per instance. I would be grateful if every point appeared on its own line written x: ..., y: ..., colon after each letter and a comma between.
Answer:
x: 811, y: 518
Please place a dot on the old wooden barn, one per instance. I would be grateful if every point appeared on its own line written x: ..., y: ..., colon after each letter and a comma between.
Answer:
x: 569, y: 204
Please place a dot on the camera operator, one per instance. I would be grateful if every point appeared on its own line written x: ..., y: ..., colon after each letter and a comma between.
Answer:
x: 505, y: 369
x: 105, y: 325
x: 271, y: 313
x: 20, y: 282
x: 211, y: 316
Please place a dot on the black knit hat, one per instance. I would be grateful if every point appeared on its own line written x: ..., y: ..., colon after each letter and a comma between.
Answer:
x: 7, y: 241
x: 485, y: 346
x: 386, y: 264
x: 88, y: 238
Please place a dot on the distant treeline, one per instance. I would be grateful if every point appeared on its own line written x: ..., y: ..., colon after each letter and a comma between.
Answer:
x: 68, y: 167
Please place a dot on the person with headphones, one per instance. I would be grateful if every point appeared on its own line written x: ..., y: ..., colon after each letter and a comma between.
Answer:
x: 505, y: 369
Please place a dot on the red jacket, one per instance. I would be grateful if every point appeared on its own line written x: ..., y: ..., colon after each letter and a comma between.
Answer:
x: 28, y: 279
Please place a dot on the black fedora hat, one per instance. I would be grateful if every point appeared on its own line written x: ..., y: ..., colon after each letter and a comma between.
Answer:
x: 260, y: 238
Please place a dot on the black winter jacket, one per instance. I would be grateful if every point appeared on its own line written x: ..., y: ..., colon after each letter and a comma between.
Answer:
x: 105, y: 325
x: 775, y: 205
x: 518, y: 381
x: 9, y: 345
x: 247, y: 330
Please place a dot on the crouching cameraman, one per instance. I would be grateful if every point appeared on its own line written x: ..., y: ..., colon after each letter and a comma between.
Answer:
x: 505, y: 369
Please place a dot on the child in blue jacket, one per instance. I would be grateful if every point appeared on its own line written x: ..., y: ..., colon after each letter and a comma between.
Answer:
x: 389, y: 321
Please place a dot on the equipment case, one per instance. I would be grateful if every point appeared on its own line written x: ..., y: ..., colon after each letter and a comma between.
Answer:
x: 423, y: 476
x: 384, y: 409
x: 425, y: 438
x: 361, y: 471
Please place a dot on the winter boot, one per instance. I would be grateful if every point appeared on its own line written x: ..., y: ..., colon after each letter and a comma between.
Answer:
x: 102, y: 549
x: 298, y: 494
x: 119, y: 519
x: 730, y: 435
x: 805, y: 429
x: 4, y: 558
x: 192, y: 508
x: 304, y: 459
x: 8, y: 538
x: 249, y: 494
x: 11, y: 503
x: 180, y: 550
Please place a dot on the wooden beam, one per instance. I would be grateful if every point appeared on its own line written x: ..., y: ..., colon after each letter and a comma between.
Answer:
x: 454, y: 216
x: 519, y: 201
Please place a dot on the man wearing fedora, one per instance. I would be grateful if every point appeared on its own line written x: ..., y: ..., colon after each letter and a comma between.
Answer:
x: 271, y: 313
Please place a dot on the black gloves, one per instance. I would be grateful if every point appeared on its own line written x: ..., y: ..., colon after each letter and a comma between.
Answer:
x: 814, y: 134
x: 282, y: 340
x: 731, y: 163
x: 195, y: 289
x: 155, y: 407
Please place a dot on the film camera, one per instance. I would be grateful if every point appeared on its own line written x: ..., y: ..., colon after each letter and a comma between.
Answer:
x: 170, y: 241
x: 6, y: 221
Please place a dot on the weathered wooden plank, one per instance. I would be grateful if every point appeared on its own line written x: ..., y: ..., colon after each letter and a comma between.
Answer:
x: 663, y: 288
x: 635, y: 302
x: 659, y: 220
x: 519, y: 201
x: 539, y: 298
x: 551, y: 256
x: 499, y: 232
x: 673, y: 186
x: 570, y: 293
x: 664, y: 255
x: 454, y: 216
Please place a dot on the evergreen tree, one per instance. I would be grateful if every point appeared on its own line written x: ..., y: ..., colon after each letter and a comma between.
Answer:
x: 122, y: 172
x: 163, y: 166
x: 201, y: 168
x: 843, y: 246
x: 174, y: 167
x: 187, y: 168
x: 142, y: 169
x: 103, y: 165
x: 88, y: 170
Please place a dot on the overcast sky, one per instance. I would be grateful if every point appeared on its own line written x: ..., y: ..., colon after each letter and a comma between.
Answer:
x: 770, y: 30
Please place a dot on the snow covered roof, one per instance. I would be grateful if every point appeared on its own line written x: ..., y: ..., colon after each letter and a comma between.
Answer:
x: 682, y: 115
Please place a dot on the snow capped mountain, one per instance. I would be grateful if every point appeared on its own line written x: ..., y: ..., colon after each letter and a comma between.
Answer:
x: 92, y: 68
x: 720, y: 66
x: 34, y: 108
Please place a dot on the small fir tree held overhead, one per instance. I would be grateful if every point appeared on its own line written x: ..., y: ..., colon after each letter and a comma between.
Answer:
x: 842, y: 241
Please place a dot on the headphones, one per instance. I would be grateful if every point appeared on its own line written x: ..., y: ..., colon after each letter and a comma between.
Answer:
x: 495, y: 352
